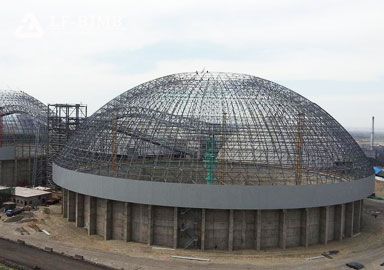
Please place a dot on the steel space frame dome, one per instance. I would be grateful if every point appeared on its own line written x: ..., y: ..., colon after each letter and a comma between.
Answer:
x: 22, y: 117
x: 215, y: 128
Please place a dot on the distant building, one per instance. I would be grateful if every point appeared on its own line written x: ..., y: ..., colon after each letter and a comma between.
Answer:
x: 25, y: 196
x: 29, y: 196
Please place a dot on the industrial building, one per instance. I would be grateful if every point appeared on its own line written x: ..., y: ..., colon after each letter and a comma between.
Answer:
x: 26, y: 196
x: 30, y: 196
x: 23, y: 140
x: 214, y: 161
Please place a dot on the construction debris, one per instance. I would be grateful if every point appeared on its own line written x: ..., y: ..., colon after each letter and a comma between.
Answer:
x: 46, y: 232
x: 355, y: 265
x: 315, y: 258
x: 162, y: 248
x: 326, y: 255
x: 329, y: 253
x: 191, y: 258
x: 35, y: 227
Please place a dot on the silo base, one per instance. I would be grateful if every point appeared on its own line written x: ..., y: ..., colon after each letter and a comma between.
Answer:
x: 210, y: 229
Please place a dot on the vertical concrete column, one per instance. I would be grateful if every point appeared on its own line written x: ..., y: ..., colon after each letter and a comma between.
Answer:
x: 349, y: 215
x: 71, y: 206
x: 202, y: 241
x: 65, y: 203
x: 358, y: 209
x: 1, y: 169
x: 230, y: 230
x: 128, y: 222
x: 324, y: 224
x: 361, y: 213
x: 305, y: 227
x: 258, y: 230
x: 15, y: 176
x: 175, y: 226
x: 243, y: 229
x: 108, y: 220
x: 30, y: 172
x: 283, y: 229
x: 92, y: 215
x: 150, y: 224
x: 79, y: 210
x: 339, y: 221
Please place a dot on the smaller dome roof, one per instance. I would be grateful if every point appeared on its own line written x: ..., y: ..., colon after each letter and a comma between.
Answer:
x: 21, y: 116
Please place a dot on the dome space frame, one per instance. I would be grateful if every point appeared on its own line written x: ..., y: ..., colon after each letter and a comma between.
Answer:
x: 214, y: 161
x: 264, y: 134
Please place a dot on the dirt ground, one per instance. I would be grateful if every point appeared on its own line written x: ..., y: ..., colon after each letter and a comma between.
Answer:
x: 366, y: 247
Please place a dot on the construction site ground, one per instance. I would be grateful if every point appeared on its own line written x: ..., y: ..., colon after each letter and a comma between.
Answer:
x: 366, y: 247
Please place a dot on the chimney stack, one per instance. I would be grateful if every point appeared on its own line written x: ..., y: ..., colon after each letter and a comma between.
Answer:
x: 373, y: 132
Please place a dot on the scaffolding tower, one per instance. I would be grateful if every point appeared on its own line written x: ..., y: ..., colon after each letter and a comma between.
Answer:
x: 63, y: 120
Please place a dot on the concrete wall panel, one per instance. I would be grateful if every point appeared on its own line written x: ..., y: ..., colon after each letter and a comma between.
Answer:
x: 270, y: 228
x: 216, y: 229
x: 331, y: 223
x: 293, y: 227
x: 12, y: 176
x: 7, y: 173
x: 244, y: 229
x: 238, y: 229
x: 314, y: 225
x: 139, y: 223
x: 163, y: 226
x: 100, y: 217
x: 356, y: 217
x: 118, y: 223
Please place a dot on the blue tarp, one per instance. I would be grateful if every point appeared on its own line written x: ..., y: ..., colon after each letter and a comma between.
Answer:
x: 378, y: 171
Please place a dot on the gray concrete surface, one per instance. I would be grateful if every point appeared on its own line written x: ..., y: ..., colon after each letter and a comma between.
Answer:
x: 222, y: 229
x: 31, y: 257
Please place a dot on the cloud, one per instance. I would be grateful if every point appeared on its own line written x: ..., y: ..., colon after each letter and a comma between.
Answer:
x: 91, y: 52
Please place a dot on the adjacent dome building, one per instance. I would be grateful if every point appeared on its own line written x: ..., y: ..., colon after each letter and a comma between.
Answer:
x: 214, y: 161
x: 23, y: 140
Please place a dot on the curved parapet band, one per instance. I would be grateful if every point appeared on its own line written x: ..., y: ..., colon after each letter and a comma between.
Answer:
x: 213, y: 196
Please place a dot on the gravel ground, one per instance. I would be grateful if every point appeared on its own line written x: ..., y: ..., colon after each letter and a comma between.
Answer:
x: 367, y: 247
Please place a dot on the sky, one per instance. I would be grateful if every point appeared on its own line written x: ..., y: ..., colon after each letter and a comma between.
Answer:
x: 91, y: 51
